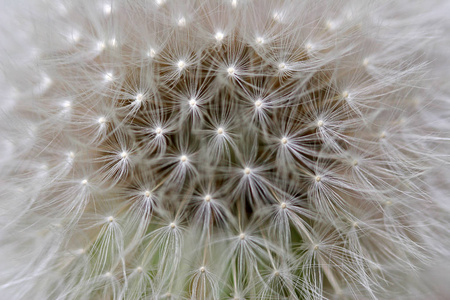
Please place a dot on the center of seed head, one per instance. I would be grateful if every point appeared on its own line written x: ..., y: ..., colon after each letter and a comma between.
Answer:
x: 220, y: 130
x: 207, y: 198
x: 284, y: 141
x: 258, y: 103
x: 147, y: 194
x: 231, y: 71
x: 247, y: 171
x: 192, y: 102
x: 158, y: 130
x: 183, y: 158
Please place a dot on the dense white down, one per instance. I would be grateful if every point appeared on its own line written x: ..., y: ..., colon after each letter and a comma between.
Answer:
x: 224, y: 149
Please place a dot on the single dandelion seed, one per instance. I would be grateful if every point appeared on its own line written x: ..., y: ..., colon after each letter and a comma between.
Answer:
x: 107, y: 8
x: 139, y: 97
x: 276, y: 16
x: 219, y: 36
x: 70, y: 156
x: 182, y: 22
x: 259, y: 40
x: 151, y: 53
x: 100, y: 46
x: 108, y: 76
x: 160, y: 2
x: 365, y: 62
x: 330, y: 25
x: 231, y: 71
x: 193, y: 102
x: 66, y: 104
x: 113, y: 42
x: 181, y: 65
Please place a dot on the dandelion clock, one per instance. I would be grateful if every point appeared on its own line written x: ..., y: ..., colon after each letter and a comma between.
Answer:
x: 224, y: 149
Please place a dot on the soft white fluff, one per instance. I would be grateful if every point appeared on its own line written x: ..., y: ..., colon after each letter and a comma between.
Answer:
x: 224, y: 149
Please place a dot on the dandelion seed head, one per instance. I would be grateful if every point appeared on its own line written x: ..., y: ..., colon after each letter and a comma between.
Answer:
x: 183, y: 158
x: 247, y: 171
x: 220, y: 130
x: 181, y: 65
